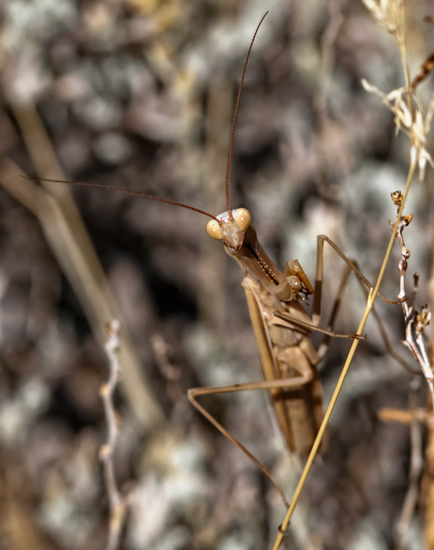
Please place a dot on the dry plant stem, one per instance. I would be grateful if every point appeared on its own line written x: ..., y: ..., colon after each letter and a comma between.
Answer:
x: 416, y: 463
x: 415, y: 322
x: 327, y: 48
x: 212, y: 306
x: 65, y: 232
x: 403, y: 416
x: 431, y: 294
x: 117, y: 502
x: 403, y: 53
x: 369, y: 305
x: 428, y: 485
x: 328, y: 39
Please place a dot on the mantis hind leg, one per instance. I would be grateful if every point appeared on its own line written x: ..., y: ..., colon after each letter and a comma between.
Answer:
x: 282, y: 384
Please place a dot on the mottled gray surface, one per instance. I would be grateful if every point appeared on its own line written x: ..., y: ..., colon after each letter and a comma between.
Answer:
x: 140, y: 94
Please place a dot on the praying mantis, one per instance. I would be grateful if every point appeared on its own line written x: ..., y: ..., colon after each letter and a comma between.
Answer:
x: 281, y: 325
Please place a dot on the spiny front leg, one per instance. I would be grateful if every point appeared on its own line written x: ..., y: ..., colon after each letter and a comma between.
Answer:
x: 295, y: 283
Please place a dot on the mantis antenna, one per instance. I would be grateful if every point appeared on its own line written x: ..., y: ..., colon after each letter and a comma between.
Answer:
x: 237, y: 105
x: 125, y: 191
x: 161, y: 199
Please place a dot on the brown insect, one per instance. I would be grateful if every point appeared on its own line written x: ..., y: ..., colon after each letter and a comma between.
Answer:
x: 280, y: 322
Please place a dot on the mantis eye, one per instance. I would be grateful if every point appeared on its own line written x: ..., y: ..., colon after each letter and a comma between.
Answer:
x: 213, y: 230
x: 243, y: 218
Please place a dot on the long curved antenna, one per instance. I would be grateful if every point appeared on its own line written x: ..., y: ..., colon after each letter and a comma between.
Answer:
x: 125, y: 191
x: 234, y: 123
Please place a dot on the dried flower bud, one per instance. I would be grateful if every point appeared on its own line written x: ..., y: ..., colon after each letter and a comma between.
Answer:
x: 397, y: 198
x: 406, y: 219
x: 423, y: 319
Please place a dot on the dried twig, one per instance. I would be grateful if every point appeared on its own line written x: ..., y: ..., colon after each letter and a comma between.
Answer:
x: 328, y: 39
x: 415, y: 324
x: 428, y: 485
x: 416, y: 465
x: 117, y: 501
x: 415, y: 321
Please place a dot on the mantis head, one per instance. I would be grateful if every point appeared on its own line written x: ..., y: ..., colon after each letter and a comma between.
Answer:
x: 230, y: 227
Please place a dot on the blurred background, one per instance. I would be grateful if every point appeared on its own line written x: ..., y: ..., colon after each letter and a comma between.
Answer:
x: 140, y: 94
